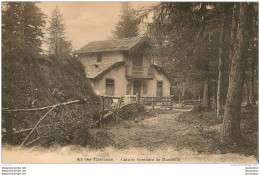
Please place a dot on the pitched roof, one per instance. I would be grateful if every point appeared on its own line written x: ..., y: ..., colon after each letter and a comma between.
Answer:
x: 113, y: 45
x: 99, y: 69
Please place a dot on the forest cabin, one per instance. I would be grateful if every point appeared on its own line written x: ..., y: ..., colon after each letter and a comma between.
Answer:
x: 123, y: 67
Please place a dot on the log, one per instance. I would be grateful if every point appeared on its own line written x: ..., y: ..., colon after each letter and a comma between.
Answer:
x: 31, y: 142
x: 36, y: 126
x: 46, y: 107
x: 107, y: 115
x: 29, y: 129
x: 156, y: 141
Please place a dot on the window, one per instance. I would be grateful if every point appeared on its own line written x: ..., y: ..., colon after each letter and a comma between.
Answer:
x: 110, y: 87
x: 144, y: 87
x: 159, y: 90
x: 128, y: 89
x: 99, y: 57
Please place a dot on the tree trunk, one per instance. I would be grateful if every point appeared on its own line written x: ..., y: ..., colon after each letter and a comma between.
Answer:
x: 247, y: 93
x: 183, y: 93
x: 214, y: 90
x: 223, y: 53
x: 206, y: 97
x: 8, y: 124
x: 231, y: 121
x: 252, y: 87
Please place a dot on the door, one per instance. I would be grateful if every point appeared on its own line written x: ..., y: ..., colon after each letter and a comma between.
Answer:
x: 159, y: 90
x: 137, y: 86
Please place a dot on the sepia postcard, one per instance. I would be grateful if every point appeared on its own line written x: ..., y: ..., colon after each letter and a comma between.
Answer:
x: 129, y: 83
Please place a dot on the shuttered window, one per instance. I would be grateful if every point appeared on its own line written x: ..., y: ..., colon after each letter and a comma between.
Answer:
x: 110, y: 87
x: 128, y: 89
x: 99, y: 57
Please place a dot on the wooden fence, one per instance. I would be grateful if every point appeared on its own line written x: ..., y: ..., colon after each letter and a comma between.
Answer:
x: 190, y: 102
x: 154, y: 102
x: 161, y: 102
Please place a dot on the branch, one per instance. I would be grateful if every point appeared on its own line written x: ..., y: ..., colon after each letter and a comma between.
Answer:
x: 36, y: 126
x: 43, y: 108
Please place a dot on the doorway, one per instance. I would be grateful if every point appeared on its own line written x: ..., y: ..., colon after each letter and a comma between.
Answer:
x: 137, y: 86
x: 159, y: 90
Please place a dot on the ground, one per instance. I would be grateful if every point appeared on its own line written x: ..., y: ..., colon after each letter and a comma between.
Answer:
x: 176, y: 136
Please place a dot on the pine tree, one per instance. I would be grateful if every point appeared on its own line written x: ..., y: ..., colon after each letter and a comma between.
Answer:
x: 22, y: 34
x: 128, y: 24
x: 239, y: 54
x: 197, y: 36
x: 22, y: 30
x: 58, y: 45
x: 184, y: 35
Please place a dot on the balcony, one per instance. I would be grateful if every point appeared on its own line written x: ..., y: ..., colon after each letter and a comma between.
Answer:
x: 139, y: 72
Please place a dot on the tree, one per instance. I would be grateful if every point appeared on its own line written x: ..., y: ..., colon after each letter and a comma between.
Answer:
x: 197, y: 34
x: 252, y: 48
x: 128, y: 23
x: 22, y: 30
x: 182, y: 32
x: 231, y: 121
x: 22, y: 34
x: 223, y: 60
x: 58, y: 45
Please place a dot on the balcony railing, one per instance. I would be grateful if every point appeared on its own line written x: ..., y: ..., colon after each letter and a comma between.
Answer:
x: 139, y: 72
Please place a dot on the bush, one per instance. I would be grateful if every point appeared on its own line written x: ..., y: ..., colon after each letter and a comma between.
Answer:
x: 131, y: 111
x: 200, y: 108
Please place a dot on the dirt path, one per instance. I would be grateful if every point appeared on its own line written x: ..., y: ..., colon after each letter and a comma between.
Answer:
x: 161, y: 139
x: 151, y: 133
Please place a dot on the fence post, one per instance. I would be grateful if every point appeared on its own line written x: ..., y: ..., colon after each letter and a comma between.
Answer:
x: 102, y: 111
x: 153, y: 103
x: 137, y: 98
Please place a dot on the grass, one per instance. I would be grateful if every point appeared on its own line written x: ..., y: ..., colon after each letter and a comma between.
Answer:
x: 209, y: 132
x: 198, y: 131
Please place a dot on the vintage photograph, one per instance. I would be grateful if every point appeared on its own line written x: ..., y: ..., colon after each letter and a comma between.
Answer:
x: 129, y: 82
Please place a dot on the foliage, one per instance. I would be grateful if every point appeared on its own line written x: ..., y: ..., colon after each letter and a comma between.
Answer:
x: 189, y: 37
x: 58, y: 45
x: 186, y: 42
x: 69, y: 83
x: 33, y: 81
x: 128, y: 23
x: 22, y: 24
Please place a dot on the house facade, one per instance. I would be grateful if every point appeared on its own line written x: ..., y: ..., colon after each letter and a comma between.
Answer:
x: 123, y: 67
